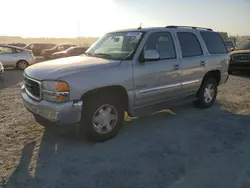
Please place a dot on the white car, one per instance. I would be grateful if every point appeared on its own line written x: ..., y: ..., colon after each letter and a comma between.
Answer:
x: 1, y: 68
x: 12, y: 56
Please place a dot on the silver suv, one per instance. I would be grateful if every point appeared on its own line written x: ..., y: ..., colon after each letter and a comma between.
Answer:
x: 138, y: 71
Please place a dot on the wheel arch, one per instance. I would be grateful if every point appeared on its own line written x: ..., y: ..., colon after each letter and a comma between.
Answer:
x: 21, y: 60
x: 211, y: 74
x: 214, y: 74
x: 114, y: 89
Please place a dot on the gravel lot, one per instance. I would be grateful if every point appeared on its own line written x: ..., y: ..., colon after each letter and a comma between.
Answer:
x: 182, y: 148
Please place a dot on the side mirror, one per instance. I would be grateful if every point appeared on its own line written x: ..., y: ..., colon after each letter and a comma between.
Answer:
x: 232, y: 49
x: 151, y: 55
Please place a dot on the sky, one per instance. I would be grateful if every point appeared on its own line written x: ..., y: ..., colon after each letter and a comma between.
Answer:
x: 93, y: 18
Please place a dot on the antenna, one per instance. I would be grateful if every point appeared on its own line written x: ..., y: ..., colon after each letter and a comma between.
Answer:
x: 140, y: 26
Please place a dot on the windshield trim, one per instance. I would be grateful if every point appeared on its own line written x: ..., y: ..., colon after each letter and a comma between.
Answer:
x: 131, y: 56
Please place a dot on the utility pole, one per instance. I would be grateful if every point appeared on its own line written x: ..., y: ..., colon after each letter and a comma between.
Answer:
x: 79, y: 30
x: 140, y: 26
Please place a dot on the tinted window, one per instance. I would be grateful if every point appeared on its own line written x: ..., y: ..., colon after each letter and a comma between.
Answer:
x: 163, y: 43
x: 244, y: 46
x: 229, y: 43
x: 5, y: 50
x: 214, y: 42
x: 190, y: 46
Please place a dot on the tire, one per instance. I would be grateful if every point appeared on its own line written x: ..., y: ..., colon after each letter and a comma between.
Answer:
x: 92, y: 108
x: 22, y: 64
x: 202, y: 98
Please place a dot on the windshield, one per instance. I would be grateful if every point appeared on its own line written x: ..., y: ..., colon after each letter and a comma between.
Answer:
x: 244, y: 46
x: 121, y: 45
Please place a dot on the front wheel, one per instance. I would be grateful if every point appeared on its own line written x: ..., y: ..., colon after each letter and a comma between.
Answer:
x: 207, y: 93
x: 102, y: 117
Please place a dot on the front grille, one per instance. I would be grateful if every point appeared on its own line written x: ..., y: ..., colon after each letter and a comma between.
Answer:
x: 241, y: 57
x: 33, y: 87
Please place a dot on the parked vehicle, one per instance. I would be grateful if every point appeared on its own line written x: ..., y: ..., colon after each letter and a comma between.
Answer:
x: 37, y: 48
x: 47, y: 54
x: 1, y: 68
x: 12, y: 56
x: 21, y: 45
x: 138, y: 71
x: 240, y: 57
x: 229, y: 44
x: 72, y: 51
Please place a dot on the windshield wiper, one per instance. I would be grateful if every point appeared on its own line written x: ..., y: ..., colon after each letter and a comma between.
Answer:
x: 102, y: 55
x: 87, y: 53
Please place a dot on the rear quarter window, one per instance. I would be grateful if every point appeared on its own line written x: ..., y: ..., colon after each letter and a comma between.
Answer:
x: 213, y: 42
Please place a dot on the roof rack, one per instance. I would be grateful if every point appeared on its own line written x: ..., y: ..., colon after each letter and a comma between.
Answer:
x: 191, y: 27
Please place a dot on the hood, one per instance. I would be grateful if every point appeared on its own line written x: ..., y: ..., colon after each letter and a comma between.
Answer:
x: 239, y: 52
x: 55, y: 69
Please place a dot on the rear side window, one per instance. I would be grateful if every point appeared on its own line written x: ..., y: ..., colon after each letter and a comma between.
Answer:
x: 190, y: 46
x: 214, y: 42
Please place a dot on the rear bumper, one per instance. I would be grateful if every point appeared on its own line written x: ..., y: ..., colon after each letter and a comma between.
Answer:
x: 60, y: 113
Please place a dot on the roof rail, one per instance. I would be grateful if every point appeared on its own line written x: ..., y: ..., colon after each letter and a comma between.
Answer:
x: 191, y: 27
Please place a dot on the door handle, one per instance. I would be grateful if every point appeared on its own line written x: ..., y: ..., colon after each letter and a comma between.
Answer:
x: 202, y: 63
x: 176, y: 67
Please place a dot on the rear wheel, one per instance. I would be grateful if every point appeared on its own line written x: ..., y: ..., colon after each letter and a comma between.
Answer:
x: 22, y: 64
x: 102, y: 117
x: 207, y: 93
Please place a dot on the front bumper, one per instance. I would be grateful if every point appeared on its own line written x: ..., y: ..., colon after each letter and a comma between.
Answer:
x: 60, y: 113
x: 240, y: 66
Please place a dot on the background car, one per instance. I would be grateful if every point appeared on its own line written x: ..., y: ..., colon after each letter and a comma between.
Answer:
x: 230, y: 44
x: 21, y: 45
x: 12, y: 56
x: 72, y: 51
x: 37, y: 48
x: 1, y: 68
x: 240, y: 57
x: 47, y: 54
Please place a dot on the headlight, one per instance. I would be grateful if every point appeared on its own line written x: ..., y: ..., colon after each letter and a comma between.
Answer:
x: 56, y: 91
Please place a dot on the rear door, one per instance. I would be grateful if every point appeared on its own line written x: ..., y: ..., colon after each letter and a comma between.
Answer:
x: 193, y: 61
x: 217, y: 52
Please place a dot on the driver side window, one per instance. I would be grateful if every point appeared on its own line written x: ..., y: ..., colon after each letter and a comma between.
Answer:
x: 163, y: 43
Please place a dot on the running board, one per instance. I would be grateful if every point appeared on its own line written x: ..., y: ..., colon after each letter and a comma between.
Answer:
x: 144, y: 110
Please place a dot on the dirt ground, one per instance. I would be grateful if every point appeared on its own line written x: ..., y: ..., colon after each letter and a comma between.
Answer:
x: 182, y: 148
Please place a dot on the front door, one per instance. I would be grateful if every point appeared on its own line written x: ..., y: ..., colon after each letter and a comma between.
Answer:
x: 159, y: 80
